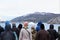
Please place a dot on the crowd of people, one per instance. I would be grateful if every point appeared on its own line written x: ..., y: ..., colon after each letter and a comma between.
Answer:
x: 22, y: 32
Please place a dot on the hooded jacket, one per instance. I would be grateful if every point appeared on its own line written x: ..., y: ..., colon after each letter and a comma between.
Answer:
x: 38, y: 26
x: 7, y: 34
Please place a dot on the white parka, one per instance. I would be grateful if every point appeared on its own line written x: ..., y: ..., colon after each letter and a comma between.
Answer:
x: 25, y: 34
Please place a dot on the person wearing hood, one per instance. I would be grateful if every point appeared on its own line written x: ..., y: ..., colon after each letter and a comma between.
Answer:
x: 7, y: 34
x: 38, y: 26
x: 42, y: 34
x: 32, y: 26
x: 25, y: 33
x: 33, y: 31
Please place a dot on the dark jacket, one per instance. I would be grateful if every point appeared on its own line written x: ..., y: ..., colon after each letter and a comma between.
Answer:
x: 14, y: 29
x: 7, y: 34
x: 42, y: 35
x: 19, y: 29
x: 1, y: 29
x: 53, y: 34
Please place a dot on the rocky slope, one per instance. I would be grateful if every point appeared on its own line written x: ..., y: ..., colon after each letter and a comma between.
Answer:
x: 35, y: 17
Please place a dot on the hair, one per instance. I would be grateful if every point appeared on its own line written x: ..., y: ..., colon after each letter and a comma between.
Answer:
x: 51, y: 26
x: 20, y: 26
x: 42, y: 26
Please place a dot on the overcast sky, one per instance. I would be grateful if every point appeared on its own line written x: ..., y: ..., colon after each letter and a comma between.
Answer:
x: 16, y: 8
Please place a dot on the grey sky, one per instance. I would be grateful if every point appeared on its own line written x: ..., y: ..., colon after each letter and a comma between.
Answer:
x: 22, y: 7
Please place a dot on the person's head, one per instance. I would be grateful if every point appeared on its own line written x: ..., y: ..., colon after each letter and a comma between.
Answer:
x: 7, y: 22
x: 19, y: 26
x: 13, y: 25
x: 8, y: 27
x: 39, y: 23
x: 51, y: 26
x: 25, y: 24
x: 42, y: 26
x: 31, y: 25
x: 33, y: 28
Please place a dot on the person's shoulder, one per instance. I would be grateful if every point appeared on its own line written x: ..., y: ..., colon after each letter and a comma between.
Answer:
x: 3, y: 33
x: 39, y: 31
x: 22, y: 29
x: 29, y: 30
x: 54, y: 30
x: 45, y: 31
x: 11, y: 32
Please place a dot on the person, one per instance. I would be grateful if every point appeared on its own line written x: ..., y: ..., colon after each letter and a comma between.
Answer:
x: 59, y: 32
x: 15, y: 30
x: 53, y: 33
x: 31, y: 26
x: 25, y: 33
x: 33, y: 31
x: 1, y: 29
x: 7, y: 34
x: 38, y: 26
x: 42, y: 34
x: 19, y: 29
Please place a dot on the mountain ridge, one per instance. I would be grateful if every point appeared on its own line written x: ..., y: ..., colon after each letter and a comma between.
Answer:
x: 35, y: 17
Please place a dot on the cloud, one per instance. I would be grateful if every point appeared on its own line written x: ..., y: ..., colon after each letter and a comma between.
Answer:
x: 39, y: 5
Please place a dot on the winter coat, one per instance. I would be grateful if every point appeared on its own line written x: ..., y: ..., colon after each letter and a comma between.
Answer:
x: 7, y: 34
x: 33, y: 31
x: 1, y: 29
x: 38, y: 26
x: 25, y: 35
x: 53, y: 34
x: 42, y: 35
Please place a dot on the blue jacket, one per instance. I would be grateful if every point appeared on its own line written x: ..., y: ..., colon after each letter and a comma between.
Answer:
x: 38, y: 26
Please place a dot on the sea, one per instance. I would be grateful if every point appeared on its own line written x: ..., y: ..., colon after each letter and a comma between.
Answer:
x: 45, y: 24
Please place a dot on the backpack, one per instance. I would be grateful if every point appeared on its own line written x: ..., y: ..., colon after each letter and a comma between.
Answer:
x: 53, y: 34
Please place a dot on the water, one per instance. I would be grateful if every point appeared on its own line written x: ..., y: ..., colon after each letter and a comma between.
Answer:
x: 55, y: 26
x: 46, y: 25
